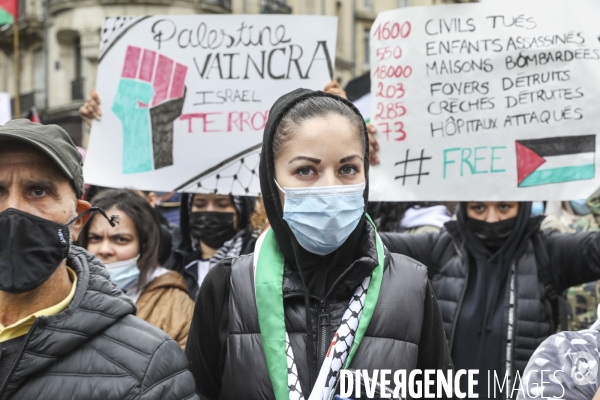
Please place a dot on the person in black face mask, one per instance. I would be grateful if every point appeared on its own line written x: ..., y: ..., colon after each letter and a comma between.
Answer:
x: 213, y: 227
x: 497, y: 276
x: 60, y: 315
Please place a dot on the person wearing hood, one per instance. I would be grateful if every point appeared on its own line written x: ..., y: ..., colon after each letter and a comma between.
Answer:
x: 212, y: 227
x: 320, y: 292
x: 497, y: 277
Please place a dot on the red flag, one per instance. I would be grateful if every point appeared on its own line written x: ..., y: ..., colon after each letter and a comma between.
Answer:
x: 9, y: 11
x: 34, y: 116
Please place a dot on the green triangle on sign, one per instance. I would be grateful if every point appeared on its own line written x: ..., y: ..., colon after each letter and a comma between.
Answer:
x: 6, y: 17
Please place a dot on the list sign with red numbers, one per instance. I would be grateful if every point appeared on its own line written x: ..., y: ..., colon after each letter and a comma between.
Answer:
x: 495, y: 101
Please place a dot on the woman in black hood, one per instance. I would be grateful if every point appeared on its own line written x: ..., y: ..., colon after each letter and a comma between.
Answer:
x: 321, y: 292
x: 497, y: 278
x: 212, y: 227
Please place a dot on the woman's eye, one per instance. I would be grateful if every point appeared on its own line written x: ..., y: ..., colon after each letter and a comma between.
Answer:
x: 304, y: 171
x: 348, y: 170
x: 93, y: 239
x: 122, y: 240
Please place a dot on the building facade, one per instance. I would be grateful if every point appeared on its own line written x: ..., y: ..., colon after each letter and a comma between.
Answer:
x: 59, y: 42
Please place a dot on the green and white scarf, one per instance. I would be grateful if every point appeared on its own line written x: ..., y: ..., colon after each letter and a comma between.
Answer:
x: 268, y: 278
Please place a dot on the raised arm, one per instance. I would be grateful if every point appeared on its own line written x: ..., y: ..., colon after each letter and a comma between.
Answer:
x: 418, y: 247
x: 574, y: 258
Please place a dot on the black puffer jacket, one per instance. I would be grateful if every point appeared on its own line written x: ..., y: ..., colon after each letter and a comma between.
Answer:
x: 568, y: 259
x: 225, y: 347
x: 97, y: 349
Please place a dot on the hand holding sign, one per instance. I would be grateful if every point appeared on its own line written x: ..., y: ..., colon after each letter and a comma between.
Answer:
x: 91, y: 109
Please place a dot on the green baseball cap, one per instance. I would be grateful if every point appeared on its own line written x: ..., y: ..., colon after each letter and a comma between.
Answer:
x: 53, y: 141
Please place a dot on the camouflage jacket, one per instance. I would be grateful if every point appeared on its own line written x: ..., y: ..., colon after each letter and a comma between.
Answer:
x: 582, y: 300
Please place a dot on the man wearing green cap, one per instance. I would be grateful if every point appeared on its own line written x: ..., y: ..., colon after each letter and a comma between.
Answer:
x: 66, y: 331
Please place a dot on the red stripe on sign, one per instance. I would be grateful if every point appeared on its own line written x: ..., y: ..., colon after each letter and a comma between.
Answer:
x: 178, y: 82
x: 162, y: 79
x: 527, y: 162
x: 132, y: 59
x: 147, y: 69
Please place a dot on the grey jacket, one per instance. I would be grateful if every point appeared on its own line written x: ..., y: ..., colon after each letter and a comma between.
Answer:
x: 564, y: 366
x: 97, y: 349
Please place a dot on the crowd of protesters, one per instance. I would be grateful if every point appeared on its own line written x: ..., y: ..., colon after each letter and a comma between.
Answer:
x: 100, y: 291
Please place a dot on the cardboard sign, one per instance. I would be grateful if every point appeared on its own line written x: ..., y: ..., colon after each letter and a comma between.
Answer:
x: 5, y: 110
x: 490, y: 101
x: 185, y: 98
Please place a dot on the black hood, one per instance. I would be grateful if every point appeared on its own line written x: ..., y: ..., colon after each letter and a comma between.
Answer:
x: 290, y: 247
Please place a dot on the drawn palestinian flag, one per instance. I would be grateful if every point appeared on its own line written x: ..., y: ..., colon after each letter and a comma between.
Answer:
x: 555, y: 160
x: 8, y: 11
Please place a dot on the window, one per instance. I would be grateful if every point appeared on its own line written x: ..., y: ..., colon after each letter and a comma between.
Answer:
x: 77, y: 84
x: 366, y: 46
x: 368, y: 4
x: 77, y: 57
x: 39, y: 79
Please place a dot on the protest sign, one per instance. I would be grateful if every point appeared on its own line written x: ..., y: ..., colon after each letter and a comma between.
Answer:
x: 5, y: 110
x: 185, y: 98
x: 486, y: 102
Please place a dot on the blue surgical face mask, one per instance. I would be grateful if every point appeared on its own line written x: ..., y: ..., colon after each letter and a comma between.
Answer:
x: 122, y: 273
x: 322, y: 218
x: 580, y: 207
x: 537, y: 208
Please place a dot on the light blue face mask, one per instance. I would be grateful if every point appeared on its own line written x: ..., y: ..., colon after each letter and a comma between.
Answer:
x: 580, y: 207
x: 322, y: 218
x: 122, y: 273
x: 537, y: 208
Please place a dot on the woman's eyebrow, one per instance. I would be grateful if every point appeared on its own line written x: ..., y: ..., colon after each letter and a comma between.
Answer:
x: 312, y: 160
x: 350, y: 158
x: 120, y: 235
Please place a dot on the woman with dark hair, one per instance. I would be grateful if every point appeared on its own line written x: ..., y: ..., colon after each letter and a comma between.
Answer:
x: 130, y: 253
x: 320, y: 293
x: 213, y: 227
x: 497, y: 277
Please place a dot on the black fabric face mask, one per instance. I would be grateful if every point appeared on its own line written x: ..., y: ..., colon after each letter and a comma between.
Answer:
x: 492, y: 234
x: 213, y: 228
x: 32, y: 248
